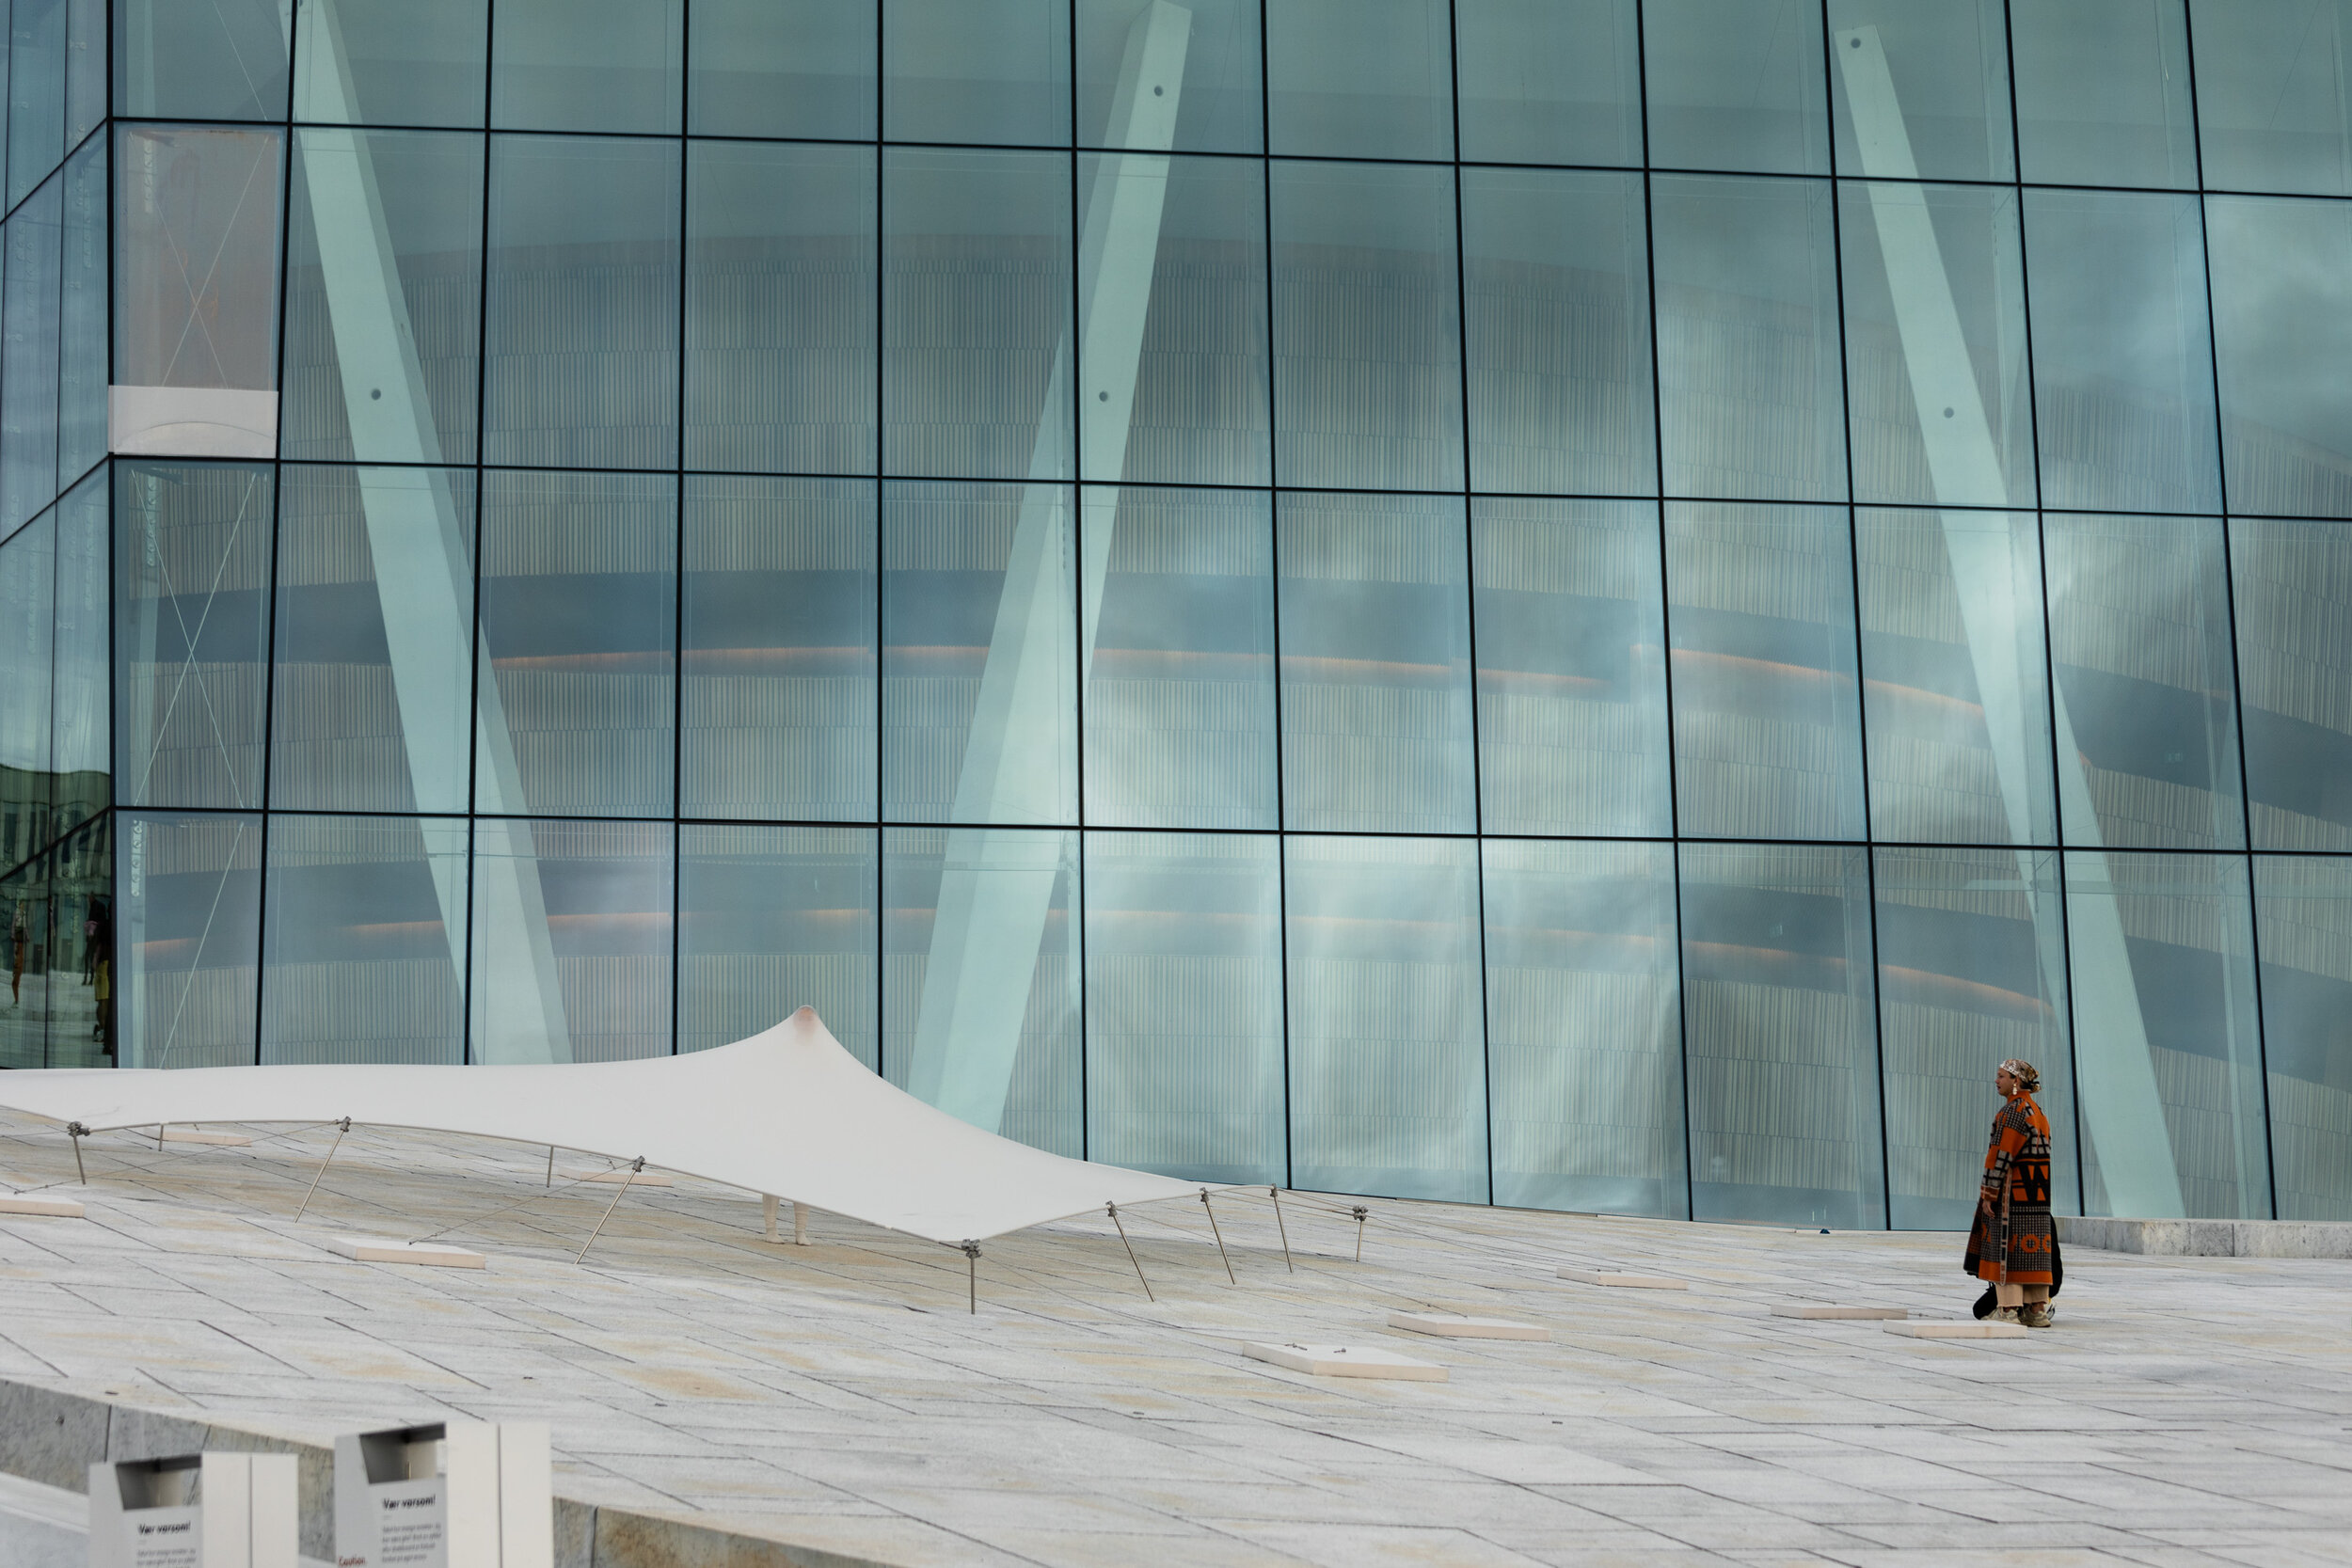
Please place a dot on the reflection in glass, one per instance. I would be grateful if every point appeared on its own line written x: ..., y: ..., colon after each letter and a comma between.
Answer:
x: 28, y: 371
x: 1550, y: 80
x: 1219, y: 109
x: 24, y: 903
x: 779, y: 651
x: 1571, y: 668
x: 1768, y: 735
x: 197, y: 59
x: 782, y: 68
x: 82, y: 358
x: 1175, y: 382
x: 2103, y: 94
x: 1367, y: 326
x: 2167, y: 1059
x: 586, y: 65
x: 2283, y: 329
x: 1359, y: 78
x: 391, y: 62
x: 578, y: 660
x: 1955, y: 677
x: 2122, y: 352
x: 191, y: 631
x: 1179, y: 658
x: 2274, y: 105
x: 981, y: 978
x: 1387, y: 1049
x: 28, y: 572
x: 1941, y: 67
x: 59, y: 909
x: 772, y: 919
x: 1555, y: 301
x: 1736, y: 84
x: 980, y: 637
x: 2140, y: 644
x: 1377, y: 722
x: 384, y: 374
x: 1778, y: 1013
x: 781, y: 297
x: 79, y: 742
x: 374, y: 667
x: 365, y: 941
x: 1172, y: 1086
x: 584, y: 305
x: 571, y: 940
x: 2293, y: 584
x: 976, y: 70
x: 2303, y: 922
x: 1584, y: 1027
x: 1972, y: 971
x: 976, y: 301
x: 1748, y: 363
x: 187, y: 937
x: 35, y: 69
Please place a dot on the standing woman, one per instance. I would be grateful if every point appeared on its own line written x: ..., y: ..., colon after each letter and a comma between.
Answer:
x: 2014, y: 1244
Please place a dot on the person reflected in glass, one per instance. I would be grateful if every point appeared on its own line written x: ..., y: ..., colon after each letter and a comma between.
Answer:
x: 2014, y: 1244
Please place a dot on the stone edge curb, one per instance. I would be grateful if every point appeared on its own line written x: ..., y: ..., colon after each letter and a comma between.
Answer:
x: 2209, y: 1237
x: 52, y: 1436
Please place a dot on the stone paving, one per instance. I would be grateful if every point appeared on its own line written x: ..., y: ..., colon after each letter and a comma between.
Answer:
x: 2190, y: 1412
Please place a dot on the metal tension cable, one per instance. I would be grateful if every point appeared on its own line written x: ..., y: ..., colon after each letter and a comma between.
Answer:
x: 341, y: 1128
x: 1112, y: 1209
x: 1220, y: 1238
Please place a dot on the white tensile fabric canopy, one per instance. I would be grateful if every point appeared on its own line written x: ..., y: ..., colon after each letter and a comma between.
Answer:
x: 788, y: 1112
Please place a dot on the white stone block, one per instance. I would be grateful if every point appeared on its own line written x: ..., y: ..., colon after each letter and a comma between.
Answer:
x: 192, y: 1136
x: 1445, y: 1325
x: 56, y: 1208
x: 1625, y: 1281
x: 1821, y: 1309
x: 1950, y: 1330
x: 375, y: 1249
x: 1346, y: 1361
x: 642, y: 1179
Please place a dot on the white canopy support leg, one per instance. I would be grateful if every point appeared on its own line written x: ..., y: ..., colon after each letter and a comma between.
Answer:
x: 800, y: 1223
x: 768, y: 1215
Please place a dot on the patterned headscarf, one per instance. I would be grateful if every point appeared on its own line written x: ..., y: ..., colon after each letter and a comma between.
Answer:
x: 2027, y: 1078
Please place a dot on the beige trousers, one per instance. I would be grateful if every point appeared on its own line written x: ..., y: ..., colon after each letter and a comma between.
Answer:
x: 2018, y: 1295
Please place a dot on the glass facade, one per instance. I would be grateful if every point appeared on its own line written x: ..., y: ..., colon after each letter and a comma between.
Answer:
x: 1586, y: 604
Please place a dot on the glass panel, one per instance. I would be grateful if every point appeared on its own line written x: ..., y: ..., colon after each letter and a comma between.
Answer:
x: 782, y: 68
x: 571, y: 940
x: 85, y: 68
x: 28, y: 572
x: 980, y: 637
x: 1555, y: 302
x: 2272, y: 103
x: 2139, y: 644
x: 1736, y: 84
x: 2122, y: 353
x: 2166, y: 1055
x: 1928, y: 76
x: 196, y: 273
x: 1584, y: 1024
x: 28, y: 389
x: 2294, y: 583
x: 977, y: 314
x: 1955, y: 678
x: 2102, y: 93
x: 375, y: 666
x: 981, y: 977
x: 1767, y: 738
x: 579, y: 676
x: 2283, y: 329
x: 60, y: 906
x: 191, y: 631
x: 384, y: 296
x: 2303, y: 921
x: 1368, y: 374
x: 1174, y: 377
x: 1972, y: 971
x: 587, y: 65
x: 365, y: 941
x: 1172, y: 1086
x: 79, y: 718
x: 1388, y: 1051
x: 1180, y: 700
x: 976, y: 70
x: 25, y: 898
x: 1750, y: 398
x: 189, y: 929
x: 1378, y: 733
x: 1550, y: 80
x: 1778, y: 1012
x: 391, y: 62
x: 584, y: 302
x: 1359, y: 78
x: 1219, y: 106
x: 82, y: 316
x: 1571, y: 668
x: 1935, y: 345
x: 203, y: 59
x: 781, y: 298
x: 36, y: 73
x: 772, y: 919
x: 779, y: 652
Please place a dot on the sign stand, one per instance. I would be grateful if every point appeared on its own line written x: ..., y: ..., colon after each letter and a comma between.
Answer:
x: 194, y: 1511
x: 451, y: 1494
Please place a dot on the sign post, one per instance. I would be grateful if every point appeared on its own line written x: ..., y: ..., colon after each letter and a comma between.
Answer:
x: 449, y: 1495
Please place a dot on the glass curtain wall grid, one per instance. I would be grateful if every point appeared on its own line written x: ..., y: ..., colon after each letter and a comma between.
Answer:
x: 1588, y: 604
